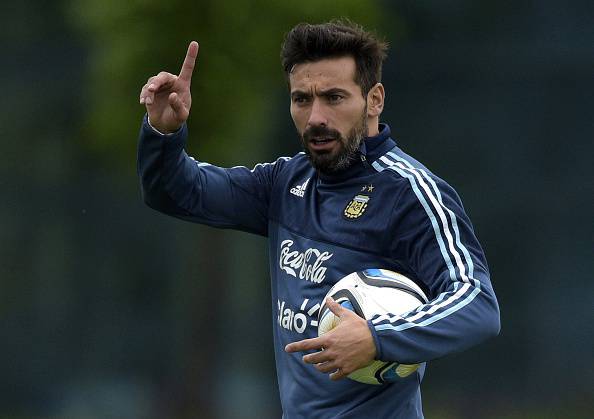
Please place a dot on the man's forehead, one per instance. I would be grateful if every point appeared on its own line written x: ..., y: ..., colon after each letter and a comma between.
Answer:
x: 329, y: 70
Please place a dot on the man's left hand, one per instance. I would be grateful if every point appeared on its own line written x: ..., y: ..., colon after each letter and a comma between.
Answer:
x: 344, y: 349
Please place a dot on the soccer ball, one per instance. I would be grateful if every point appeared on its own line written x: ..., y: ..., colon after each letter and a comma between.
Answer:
x: 368, y: 293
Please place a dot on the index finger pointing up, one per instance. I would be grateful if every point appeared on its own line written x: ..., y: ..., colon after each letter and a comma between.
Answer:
x: 189, y: 62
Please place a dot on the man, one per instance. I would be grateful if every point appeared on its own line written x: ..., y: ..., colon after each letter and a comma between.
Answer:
x: 407, y: 220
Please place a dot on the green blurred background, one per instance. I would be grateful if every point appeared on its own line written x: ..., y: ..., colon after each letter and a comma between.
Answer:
x: 111, y: 310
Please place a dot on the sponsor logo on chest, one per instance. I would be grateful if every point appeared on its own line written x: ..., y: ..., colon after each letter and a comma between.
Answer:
x: 307, y: 265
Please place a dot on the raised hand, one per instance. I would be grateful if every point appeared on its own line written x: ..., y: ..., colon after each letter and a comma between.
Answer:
x: 344, y: 349
x: 167, y: 97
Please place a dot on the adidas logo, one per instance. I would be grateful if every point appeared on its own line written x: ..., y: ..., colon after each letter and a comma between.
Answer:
x: 299, y: 190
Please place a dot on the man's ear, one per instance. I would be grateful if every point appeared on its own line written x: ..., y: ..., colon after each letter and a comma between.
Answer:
x: 375, y: 100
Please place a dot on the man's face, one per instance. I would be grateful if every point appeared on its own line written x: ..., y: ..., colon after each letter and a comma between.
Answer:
x: 329, y: 111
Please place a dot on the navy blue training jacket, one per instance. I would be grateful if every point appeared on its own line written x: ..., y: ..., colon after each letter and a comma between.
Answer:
x: 385, y: 211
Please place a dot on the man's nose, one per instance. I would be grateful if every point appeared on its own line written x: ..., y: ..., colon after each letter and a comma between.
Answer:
x: 317, y: 116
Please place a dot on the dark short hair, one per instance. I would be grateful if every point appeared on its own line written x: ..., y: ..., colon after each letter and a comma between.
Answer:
x: 334, y: 39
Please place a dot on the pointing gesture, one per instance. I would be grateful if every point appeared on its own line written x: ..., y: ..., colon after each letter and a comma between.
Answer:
x: 344, y: 349
x: 167, y: 97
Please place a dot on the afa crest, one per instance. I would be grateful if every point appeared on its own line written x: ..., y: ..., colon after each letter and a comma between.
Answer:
x: 356, y: 207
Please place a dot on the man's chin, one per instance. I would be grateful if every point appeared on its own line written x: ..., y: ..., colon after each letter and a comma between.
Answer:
x: 328, y: 162
x: 322, y: 161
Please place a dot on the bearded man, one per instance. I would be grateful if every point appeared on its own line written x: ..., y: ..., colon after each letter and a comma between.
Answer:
x: 412, y: 222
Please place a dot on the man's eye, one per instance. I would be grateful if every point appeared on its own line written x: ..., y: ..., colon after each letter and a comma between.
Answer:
x: 300, y: 99
x: 334, y: 98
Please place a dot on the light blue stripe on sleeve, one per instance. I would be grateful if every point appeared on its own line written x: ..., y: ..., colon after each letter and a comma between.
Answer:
x: 433, y: 319
x: 430, y: 214
x: 467, y: 256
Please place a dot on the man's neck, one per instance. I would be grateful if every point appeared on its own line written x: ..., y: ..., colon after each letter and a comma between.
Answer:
x: 372, y: 127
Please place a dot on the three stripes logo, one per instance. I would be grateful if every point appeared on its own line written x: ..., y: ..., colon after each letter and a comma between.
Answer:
x: 299, y: 190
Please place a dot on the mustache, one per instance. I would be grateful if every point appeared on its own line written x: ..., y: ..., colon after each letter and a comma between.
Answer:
x: 320, y: 131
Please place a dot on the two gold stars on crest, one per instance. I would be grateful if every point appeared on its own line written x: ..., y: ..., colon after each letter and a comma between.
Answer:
x: 367, y: 188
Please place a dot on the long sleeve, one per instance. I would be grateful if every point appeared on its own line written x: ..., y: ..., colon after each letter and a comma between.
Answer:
x: 176, y: 184
x: 435, y: 240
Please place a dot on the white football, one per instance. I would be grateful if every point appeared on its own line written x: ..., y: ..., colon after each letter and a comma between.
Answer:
x: 369, y: 293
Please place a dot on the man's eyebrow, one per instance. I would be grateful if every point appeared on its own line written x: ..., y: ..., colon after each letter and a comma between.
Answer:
x: 333, y: 91
x: 300, y: 93
x: 323, y: 93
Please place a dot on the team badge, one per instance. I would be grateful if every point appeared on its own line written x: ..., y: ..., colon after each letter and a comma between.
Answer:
x: 356, y: 207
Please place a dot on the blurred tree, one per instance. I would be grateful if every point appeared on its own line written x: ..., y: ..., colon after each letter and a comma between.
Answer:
x: 237, y: 75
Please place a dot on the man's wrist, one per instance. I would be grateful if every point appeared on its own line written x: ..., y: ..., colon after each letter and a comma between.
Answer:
x: 376, y: 341
x: 166, y: 134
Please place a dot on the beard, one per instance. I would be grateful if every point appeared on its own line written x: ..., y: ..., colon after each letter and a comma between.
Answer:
x: 346, y: 152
